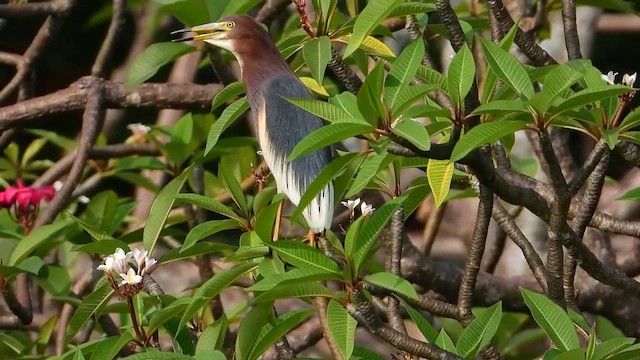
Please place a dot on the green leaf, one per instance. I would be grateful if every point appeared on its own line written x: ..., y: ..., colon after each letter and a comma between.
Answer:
x: 394, y: 283
x: 160, y: 209
x: 631, y: 195
x: 283, y: 325
x: 236, y: 6
x: 403, y: 70
x: 153, y: 58
x: 353, y: 234
x: 230, y: 114
x: 410, y: 8
x: 302, y: 255
x: 502, y: 107
x: 9, y: 342
x: 157, y: 355
x: 314, y: 86
x: 552, y: 319
x: 250, y: 328
x: 406, y: 100
x: 486, y: 133
x: 35, y: 239
x: 295, y: 275
x: 431, y: 76
x: 342, y: 328
x: 444, y: 341
x: 372, y: 229
x: 109, y: 348
x: 232, y: 185
x: 91, y: 305
x: 160, y: 317
x: 369, y: 102
x: 367, y: 171
x: 590, y: 95
x: 556, y: 82
x: 326, y: 136
x: 611, y: 347
x: 427, y: 330
x: 33, y: 149
x: 461, y: 74
x: 321, y: 109
x: 619, y: 5
x: 414, y: 132
x: 439, y: 175
x: 213, y: 336
x: 232, y: 90
x: 479, y: 333
x: 369, y: 18
x: 31, y: 265
x: 507, y: 68
x: 370, y: 45
x: 213, y: 287
x: 207, y: 229
x: 317, y: 53
x: 296, y: 290
x: 211, y: 204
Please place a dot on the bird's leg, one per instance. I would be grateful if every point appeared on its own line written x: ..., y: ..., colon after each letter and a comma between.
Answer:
x: 276, y: 228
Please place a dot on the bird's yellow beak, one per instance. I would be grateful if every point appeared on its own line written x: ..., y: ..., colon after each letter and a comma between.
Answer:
x: 215, y: 30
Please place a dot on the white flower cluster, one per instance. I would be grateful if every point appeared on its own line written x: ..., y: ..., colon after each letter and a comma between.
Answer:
x: 627, y: 79
x: 120, y: 263
x: 351, y: 205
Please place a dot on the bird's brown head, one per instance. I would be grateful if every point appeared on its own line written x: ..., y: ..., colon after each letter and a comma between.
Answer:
x: 242, y: 36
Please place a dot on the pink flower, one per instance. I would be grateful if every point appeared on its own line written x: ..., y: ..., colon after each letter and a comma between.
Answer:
x: 25, y: 196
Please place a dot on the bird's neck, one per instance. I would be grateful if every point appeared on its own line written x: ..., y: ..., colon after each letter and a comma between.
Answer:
x: 260, y: 64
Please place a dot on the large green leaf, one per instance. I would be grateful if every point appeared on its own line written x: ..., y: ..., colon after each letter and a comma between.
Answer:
x: 611, y: 347
x: 369, y: 102
x: 250, y: 328
x: 342, y: 328
x: 317, y: 53
x: 326, y: 136
x: 153, y: 58
x: 507, y: 68
x: 283, y: 325
x: 321, y: 109
x: 157, y: 355
x: 160, y: 317
x: 372, y: 229
x: 109, y: 348
x: 502, y: 107
x: 213, y: 287
x: 227, y: 118
x: 480, y: 332
x: 414, y: 132
x: 160, y: 209
x: 556, y: 82
x: 295, y: 275
x: 552, y: 319
x: 213, y: 336
x: 210, y: 204
x: 233, y: 7
x: 486, y: 133
x: 232, y: 90
x: 590, y: 95
x: 36, y: 238
x: 439, y: 175
x: 427, y: 330
x: 91, y: 305
x: 410, y: 8
x: 367, y: 171
x: 296, y: 290
x: 403, y: 71
x: 369, y: 18
x: 407, y: 97
x: 461, y: 74
x: 393, y: 283
x: 431, y: 76
x: 302, y: 255
x: 206, y: 229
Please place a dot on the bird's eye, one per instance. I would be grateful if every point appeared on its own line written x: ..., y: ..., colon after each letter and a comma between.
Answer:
x: 231, y: 24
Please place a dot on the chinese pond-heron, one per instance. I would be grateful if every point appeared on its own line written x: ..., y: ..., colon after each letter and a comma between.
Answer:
x: 280, y: 125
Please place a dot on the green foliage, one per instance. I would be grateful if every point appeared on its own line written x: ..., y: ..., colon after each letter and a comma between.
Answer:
x: 217, y: 209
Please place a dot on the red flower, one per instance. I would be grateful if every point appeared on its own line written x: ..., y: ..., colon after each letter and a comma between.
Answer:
x: 25, y: 196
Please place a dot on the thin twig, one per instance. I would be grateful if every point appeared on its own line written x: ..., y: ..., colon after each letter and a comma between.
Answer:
x: 100, y: 67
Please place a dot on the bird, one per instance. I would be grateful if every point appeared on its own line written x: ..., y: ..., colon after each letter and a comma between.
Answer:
x: 280, y: 125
